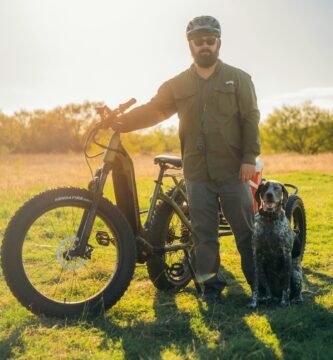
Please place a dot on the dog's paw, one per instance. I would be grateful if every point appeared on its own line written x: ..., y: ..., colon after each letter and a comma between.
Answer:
x: 285, y: 300
x: 298, y: 299
x: 252, y: 305
x: 284, y: 303
x: 265, y: 298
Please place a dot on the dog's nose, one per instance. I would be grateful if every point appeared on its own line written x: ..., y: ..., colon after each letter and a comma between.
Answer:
x: 269, y: 196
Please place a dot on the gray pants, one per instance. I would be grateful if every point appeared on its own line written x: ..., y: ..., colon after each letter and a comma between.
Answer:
x: 237, y: 206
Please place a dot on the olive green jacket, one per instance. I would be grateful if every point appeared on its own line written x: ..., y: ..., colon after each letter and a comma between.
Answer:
x: 221, y: 110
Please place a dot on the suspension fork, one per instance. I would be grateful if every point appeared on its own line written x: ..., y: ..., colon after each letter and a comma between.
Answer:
x: 89, y: 215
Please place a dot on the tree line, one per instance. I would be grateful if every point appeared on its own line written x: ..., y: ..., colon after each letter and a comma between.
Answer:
x: 305, y: 129
x: 65, y: 129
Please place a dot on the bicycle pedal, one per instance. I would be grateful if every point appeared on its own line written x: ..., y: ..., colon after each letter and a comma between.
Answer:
x: 102, y: 237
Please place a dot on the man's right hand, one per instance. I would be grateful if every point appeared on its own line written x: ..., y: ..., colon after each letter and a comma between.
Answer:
x: 116, y: 125
x: 247, y: 172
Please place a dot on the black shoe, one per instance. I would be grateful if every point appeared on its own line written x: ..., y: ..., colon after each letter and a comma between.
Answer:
x: 217, y: 282
x: 211, y: 297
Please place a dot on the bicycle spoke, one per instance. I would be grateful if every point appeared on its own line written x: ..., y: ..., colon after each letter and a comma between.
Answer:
x: 56, y: 288
x: 77, y: 278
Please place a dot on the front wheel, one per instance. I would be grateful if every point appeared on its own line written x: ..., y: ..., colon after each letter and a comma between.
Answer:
x: 295, y: 213
x: 37, y: 261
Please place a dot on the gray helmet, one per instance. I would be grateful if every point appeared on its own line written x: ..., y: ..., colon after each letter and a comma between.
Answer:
x: 203, y: 25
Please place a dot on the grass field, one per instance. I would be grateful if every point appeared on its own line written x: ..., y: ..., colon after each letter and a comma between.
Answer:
x: 147, y: 324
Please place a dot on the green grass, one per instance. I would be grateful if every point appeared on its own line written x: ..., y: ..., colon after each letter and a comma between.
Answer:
x: 147, y: 324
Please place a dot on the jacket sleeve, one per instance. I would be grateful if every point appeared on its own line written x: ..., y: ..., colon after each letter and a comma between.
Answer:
x: 249, y: 119
x: 159, y: 108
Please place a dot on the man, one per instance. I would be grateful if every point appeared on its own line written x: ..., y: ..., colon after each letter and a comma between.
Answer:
x: 218, y: 130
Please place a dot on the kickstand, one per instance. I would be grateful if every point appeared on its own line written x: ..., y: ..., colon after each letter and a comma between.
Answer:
x: 197, y: 284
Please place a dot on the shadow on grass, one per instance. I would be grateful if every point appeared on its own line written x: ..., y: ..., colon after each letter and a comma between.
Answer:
x: 306, y: 330
x: 181, y: 325
x: 205, y: 332
x: 8, y: 342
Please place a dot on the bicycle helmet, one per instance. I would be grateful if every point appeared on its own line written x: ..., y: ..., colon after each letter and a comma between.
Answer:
x: 203, y: 25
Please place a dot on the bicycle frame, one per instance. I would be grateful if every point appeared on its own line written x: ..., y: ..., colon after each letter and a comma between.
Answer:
x: 125, y: 189
x: 117, y: 160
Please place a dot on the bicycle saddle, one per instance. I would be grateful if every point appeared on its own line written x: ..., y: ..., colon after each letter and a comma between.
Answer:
x: 168, y: 159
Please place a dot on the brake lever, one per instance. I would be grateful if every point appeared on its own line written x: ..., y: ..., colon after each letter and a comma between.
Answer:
x: 105, y: 112
x: 108, y: 116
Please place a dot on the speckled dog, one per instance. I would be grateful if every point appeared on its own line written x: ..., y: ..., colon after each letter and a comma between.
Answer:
x: 273, y: 240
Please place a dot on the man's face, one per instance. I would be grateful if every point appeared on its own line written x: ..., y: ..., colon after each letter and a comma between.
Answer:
x: 205, y: 50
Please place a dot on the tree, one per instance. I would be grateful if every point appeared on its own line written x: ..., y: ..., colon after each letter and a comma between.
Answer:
x: 11, y: 133
x: 61, y: 129
x: 305, y: 129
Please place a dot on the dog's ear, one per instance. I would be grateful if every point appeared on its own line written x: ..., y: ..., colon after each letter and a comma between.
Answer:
x: 257, y: 195
x: 285, y: 197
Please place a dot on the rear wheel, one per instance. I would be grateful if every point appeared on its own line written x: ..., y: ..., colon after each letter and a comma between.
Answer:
x: 38, y: 261
x: 169, y: 270
x: 295, y: 213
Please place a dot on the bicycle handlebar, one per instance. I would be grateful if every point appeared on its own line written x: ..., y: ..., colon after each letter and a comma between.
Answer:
x: 123, y: 107
x: 108, y: 116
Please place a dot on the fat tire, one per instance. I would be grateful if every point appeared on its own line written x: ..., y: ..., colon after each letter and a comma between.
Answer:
x: 295, y: 213
x: 11, y: 254
x: 157, y: 238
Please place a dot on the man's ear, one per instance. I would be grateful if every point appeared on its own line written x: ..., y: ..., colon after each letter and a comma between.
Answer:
x: 219, y: 43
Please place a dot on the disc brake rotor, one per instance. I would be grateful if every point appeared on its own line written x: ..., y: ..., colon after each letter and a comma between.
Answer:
x: 69, y: 262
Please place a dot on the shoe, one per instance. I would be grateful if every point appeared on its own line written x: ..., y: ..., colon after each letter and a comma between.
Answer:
x: 216, y: 282
x: 211, y: 297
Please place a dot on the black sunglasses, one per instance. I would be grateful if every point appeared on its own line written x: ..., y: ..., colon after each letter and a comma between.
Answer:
x: 200, y: 41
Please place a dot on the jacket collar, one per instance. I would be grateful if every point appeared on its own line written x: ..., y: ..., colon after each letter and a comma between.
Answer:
x: 218, y: 68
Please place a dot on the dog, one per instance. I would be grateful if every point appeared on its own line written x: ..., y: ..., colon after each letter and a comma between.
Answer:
x: 277, y: 275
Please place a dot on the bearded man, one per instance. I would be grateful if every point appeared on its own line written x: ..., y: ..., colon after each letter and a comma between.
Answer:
x: 218, y: 129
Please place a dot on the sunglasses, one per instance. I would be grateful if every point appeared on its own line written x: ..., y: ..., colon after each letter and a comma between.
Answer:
x: 200, y: 41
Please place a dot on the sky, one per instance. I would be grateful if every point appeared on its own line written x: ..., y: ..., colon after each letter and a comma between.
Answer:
x: 56, y: 52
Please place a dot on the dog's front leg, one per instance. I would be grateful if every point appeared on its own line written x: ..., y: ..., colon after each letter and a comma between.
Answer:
x: 263, y: 282
x: 285, y: 300
x: 257, y: 257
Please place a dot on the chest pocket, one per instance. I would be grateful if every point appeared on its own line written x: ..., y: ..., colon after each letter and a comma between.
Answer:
x: 224, y: 97
x: 186, y: 103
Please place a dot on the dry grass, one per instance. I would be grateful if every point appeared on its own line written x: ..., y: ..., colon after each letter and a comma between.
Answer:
x: 24, y: 171
x: 288, y: 163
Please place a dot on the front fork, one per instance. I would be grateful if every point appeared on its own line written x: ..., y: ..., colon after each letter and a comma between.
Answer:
x: 89, y: 215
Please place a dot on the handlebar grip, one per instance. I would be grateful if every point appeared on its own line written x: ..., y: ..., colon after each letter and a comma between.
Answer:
x: 109, y: 116
x: 123, y: 107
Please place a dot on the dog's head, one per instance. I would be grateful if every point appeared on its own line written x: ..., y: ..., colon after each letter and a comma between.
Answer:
x: 271, y: 196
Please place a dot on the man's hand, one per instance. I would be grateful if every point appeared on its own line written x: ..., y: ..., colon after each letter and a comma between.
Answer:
x: 247, y: 172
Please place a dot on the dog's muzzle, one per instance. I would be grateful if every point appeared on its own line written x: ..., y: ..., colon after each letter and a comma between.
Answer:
x: 269, y: 206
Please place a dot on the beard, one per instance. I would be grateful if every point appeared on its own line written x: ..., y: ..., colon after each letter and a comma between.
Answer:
x: 204, y: 58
